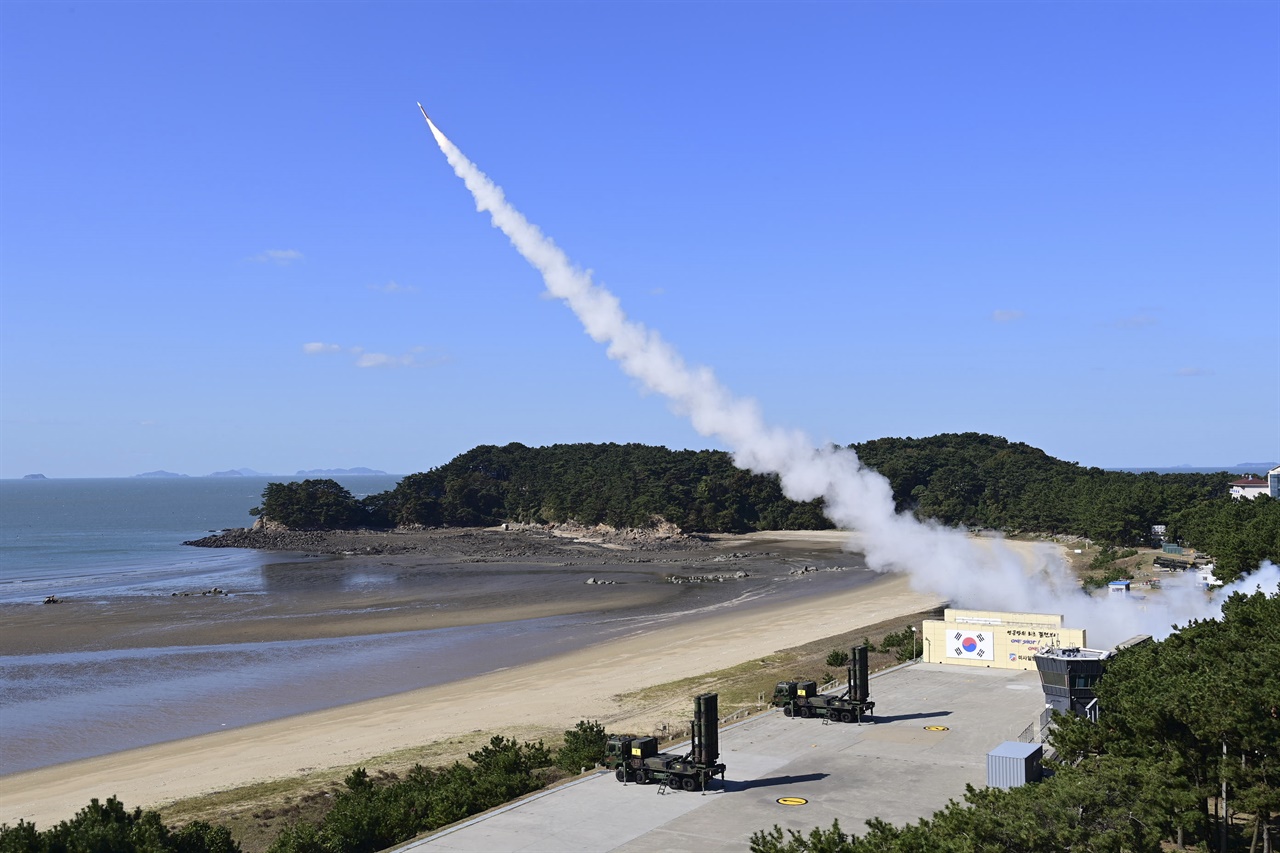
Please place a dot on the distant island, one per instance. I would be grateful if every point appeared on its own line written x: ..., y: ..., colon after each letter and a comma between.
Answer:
x: 34, y: 477
x: 249, y: 472
x: 1238, y: 468
x: 313, y: 472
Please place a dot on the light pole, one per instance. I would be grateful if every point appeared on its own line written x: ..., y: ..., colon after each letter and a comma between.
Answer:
x: 913, y: 641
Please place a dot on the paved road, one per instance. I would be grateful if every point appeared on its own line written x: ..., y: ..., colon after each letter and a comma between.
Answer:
x: 894, y: 769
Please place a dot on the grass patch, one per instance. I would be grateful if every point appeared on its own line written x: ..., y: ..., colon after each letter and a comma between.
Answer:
x: 256, y: 813
x: 1095, y: 571
x: 750, y: 685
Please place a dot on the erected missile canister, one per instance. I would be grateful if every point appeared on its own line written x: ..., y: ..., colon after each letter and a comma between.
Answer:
x: 706, y: 728
x: 859, y: 676
x: 636, y: 759
x: 802, y: 699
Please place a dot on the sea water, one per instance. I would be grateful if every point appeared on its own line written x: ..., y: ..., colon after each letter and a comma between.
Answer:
x: 105, y: 541
x: 124, y: 536
x: 111, y: 539
x: 67, y: 706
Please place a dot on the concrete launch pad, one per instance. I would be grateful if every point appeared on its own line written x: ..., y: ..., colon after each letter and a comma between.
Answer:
x: 935, y: 725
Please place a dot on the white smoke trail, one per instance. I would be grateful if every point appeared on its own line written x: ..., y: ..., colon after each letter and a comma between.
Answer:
x: 939, y: 560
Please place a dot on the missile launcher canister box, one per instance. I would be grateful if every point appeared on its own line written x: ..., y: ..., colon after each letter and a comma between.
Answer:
x: 644, y: 747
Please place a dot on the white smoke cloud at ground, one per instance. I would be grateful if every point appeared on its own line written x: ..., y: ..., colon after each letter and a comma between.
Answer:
x: 969, y: 573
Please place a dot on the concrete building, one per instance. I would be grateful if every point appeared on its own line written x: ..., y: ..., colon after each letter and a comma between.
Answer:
x: 992, y: 638
x: 1273, y: 482
x: 1068, y: 675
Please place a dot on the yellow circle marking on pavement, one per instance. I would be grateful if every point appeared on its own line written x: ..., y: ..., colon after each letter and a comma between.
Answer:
x: 936, y: 729
x: 792, y: 801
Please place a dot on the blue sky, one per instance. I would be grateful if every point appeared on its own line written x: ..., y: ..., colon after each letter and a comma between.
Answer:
x: 228, y: 240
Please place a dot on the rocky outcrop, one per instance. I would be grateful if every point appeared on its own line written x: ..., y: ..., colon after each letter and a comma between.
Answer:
x: 662, y: 534
x: 269, y: 525
x: 805, y: 570
x: 739, y: 575
x: 519, y: 541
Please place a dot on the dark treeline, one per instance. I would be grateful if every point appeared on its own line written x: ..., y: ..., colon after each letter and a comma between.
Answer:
x: 957, y: 479
x: 622, y: 485
x: 1182, y: 721
x: 1238, y: 533
x: 986, y: 481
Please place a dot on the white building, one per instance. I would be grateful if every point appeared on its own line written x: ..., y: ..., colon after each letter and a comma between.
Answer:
x: 1248, y: 488
x: 1273, y: 482
x: 1205, y: 578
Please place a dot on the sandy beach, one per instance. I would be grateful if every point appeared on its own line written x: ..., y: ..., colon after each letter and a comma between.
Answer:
x: 554, y: 692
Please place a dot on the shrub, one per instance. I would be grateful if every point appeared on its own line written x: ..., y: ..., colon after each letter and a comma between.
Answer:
x: 903, y: 642
x: 583, y: 747
x: 111, y: 828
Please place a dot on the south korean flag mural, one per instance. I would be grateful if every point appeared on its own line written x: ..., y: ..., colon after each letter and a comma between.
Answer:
x: 970, y: 644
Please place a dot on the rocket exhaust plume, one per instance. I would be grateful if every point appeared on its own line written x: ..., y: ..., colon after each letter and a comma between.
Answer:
x: 939, y: 560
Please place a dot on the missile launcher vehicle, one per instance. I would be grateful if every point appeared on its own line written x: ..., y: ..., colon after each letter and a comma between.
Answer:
x: 636, y: 759
x: 802, y: 699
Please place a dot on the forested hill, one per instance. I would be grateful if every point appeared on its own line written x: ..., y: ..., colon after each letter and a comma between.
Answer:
x: 623, y: 485
x: 986, y: 481
x: 971, y: 479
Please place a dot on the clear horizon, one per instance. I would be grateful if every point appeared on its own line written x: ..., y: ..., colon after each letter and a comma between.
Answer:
x: 230, y: 241
x: 1235, y: 467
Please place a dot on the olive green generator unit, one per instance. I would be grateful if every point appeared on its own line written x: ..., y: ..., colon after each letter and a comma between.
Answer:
x: 854, y: 705
x: 636, y: 759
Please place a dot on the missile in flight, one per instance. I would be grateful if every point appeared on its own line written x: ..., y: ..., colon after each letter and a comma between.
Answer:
x: 431, y: 125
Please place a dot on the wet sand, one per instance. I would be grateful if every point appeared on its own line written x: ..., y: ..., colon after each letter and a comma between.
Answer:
x: 313, y: 606
x: 661, y: 639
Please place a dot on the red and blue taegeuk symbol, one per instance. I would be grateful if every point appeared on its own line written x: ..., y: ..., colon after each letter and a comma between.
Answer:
x: 969, y: 644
